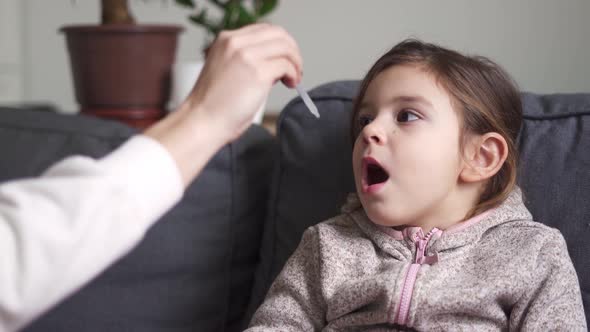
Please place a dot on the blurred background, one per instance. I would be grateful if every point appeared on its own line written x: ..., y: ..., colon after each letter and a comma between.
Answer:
x: 543, y: 44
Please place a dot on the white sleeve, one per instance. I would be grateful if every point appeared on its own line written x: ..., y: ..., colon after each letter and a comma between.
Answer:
x: 62, y: 229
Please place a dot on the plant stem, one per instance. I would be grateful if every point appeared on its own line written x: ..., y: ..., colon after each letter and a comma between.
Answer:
x: 116, y: 12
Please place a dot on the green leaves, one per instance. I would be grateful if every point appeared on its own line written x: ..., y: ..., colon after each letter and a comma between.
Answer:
x: 186, y: 3
x: 201, y: 19
x: 236, y: 16
x: 264, y: 7
x: 235, y: 13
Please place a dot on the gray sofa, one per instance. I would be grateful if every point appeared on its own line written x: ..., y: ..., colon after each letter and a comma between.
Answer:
x: 207, y: 265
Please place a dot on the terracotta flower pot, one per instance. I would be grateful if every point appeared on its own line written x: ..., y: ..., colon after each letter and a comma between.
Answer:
x: 122, y: 72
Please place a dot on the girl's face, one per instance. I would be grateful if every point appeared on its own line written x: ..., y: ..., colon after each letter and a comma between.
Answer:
x: 407, y: 159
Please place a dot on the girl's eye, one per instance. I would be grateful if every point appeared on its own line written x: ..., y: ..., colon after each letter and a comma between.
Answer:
x: 407, y: 116
x: 364, y: 120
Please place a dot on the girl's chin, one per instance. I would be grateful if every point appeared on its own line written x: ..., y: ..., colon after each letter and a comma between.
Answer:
x: 388, y: 224
x: 384, y: 220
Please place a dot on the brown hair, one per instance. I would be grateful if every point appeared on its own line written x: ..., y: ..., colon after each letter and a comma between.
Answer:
x: 485, y: 96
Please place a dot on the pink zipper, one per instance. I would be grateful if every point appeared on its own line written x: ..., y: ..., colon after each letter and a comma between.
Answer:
x: 410, y: 279
x: 404, y: 307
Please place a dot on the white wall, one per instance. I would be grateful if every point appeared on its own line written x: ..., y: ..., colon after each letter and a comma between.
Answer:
x: 544, y: 44
x: 11, y: 85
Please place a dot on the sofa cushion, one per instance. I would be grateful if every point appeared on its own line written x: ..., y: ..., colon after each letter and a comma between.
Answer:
x: 554, y: 146
x: 194, y: 269
x: 314, y: 173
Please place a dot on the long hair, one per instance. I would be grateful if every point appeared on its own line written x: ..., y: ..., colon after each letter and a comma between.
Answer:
x: 483, y: 94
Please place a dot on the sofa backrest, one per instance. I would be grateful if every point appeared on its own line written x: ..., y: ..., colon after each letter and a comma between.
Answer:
x: 194, y: 269
x: 314, y: 173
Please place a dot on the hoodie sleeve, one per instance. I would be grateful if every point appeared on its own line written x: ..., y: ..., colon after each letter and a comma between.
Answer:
x: 62, y: 229
x: 554, y: 301
x: 294, y: 301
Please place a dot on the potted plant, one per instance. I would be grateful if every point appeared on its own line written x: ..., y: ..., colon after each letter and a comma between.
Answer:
x: 227, y: 15
x: 235, y: 13
x: 121, y: 70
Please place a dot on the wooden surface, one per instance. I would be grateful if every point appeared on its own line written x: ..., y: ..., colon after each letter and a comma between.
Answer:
x: 269, y: 122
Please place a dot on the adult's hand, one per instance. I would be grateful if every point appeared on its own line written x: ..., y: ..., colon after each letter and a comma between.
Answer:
x: 241, y: 68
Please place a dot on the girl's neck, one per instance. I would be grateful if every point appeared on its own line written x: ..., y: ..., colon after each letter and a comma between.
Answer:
x: 451, y: 211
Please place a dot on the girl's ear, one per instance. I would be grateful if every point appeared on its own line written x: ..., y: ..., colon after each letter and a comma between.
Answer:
x: 485, y: 156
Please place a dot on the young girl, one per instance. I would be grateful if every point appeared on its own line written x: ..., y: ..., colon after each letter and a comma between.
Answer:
x: 437, y: 237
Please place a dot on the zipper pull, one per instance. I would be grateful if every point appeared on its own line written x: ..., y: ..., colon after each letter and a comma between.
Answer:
x: 422, y: 242
x: 421, y: 246
x: 429, y: 260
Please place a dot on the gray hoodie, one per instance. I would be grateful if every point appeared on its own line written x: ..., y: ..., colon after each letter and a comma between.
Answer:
x: 497, y: 271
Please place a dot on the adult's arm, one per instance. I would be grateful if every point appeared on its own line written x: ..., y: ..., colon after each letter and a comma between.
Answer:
x: 62, y: 229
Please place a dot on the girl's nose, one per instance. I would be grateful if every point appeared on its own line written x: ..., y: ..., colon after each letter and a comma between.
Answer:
x: 374, y: 134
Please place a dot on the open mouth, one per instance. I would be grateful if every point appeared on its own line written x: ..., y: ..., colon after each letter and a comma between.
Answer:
x: 374, y: 173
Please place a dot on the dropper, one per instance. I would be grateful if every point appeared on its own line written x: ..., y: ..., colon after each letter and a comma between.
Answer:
x: 308, y: 102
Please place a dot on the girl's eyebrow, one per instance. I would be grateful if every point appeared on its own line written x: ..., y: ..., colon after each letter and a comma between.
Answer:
x: 412, y: 99
x: 402, y: 99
